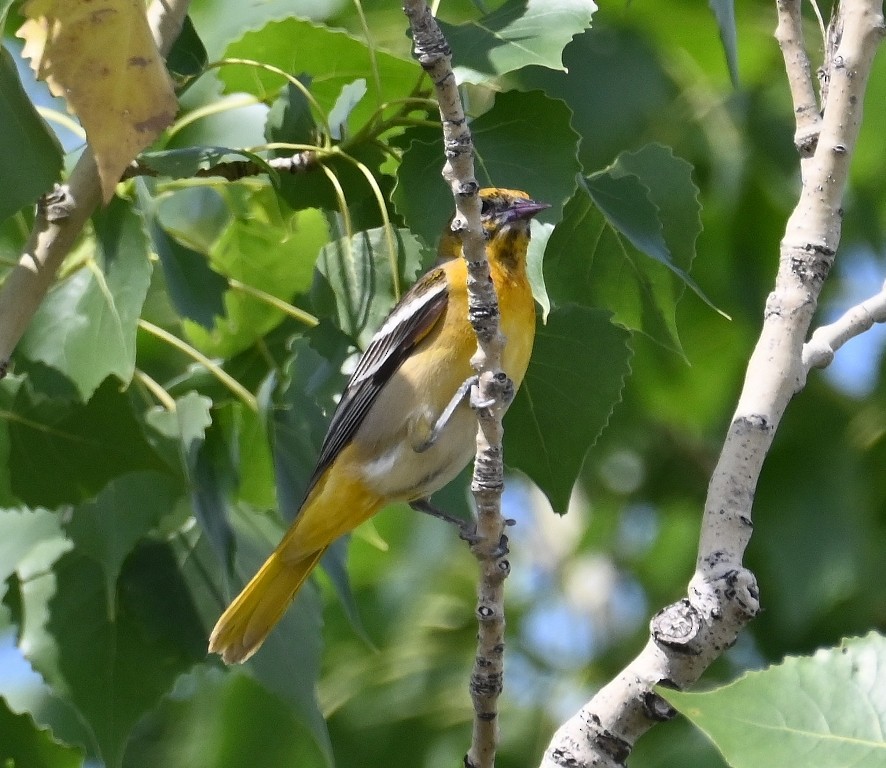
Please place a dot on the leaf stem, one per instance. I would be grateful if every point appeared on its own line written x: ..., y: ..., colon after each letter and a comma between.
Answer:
x: 225, y: 378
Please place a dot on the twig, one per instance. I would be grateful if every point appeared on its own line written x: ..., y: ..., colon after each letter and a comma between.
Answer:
x: 687, y: 636
x: 434, y: 55
x: 789, y: 34
x: 234, y: 170
x: 62, y: 214
x: 819, y: 351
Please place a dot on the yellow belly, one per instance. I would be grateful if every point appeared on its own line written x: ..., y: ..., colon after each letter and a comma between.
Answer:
x: 419, y: 391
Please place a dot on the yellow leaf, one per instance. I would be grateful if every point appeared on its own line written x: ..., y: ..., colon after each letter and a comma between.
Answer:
x: 100, y: 56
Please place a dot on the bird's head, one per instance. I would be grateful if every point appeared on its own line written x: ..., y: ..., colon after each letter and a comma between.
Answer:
x: 505, y: 215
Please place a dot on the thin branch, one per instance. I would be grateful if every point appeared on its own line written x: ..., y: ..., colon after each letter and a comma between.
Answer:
x: 434, y: 55
x: 722, y: 598
x: 62, y: 214
x: 789, y: 34
x: 234, y: 170
x: 819, y: 351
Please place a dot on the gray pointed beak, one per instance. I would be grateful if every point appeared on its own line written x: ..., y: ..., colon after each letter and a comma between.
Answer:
x: 524, y: 210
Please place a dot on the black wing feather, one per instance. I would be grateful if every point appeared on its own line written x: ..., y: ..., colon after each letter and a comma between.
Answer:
x: 385, y: 354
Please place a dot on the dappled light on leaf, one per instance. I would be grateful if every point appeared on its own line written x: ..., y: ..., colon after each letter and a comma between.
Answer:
x: 101, y: 57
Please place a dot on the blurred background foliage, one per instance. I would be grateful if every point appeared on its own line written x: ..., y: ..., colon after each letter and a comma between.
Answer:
x: 90, y: 617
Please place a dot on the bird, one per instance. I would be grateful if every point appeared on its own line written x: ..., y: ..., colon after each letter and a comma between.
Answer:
x: 403, y: 427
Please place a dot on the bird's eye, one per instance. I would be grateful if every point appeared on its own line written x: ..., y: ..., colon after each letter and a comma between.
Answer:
x: 485, y: 207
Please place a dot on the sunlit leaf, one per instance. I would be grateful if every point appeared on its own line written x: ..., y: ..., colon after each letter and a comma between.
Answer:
x: 519, y: 33
x: 86, y: 327
x: 268, y: 248
x: 830, y: 705
x: 350, y: 96
x: 101, y: 57
x: 21, y: 530
x: 274, y: 44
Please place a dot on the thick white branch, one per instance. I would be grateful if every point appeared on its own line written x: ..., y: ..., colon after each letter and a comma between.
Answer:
x: 722, y: 595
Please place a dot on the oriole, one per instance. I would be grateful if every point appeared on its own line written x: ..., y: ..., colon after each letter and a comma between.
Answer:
x: 392, y: 437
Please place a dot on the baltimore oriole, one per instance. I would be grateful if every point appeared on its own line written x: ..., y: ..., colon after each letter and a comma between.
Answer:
x: 392, y: 436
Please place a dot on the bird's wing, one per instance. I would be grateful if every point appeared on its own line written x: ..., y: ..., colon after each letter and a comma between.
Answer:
x: 409, y: 322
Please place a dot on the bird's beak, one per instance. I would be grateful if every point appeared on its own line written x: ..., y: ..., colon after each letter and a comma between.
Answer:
x: 524, y: 210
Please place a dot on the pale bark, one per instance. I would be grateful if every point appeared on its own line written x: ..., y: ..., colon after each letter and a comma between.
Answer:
x: 434, y: 55
x: 722, y: 597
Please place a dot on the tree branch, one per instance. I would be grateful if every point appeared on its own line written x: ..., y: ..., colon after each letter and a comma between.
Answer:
x: 62, y: 214
x: 819, y: 351
x: 687, y: 636
x: 434, y: 55
x: 789, y: 34
x: 234, y: 170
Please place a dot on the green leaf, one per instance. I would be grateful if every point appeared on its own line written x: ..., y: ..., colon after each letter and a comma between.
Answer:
x: 538, y: 243
x: 63, y: 453
x: 188, y: 57
x: 111, y: 671
x: 207, y: 464
x: 669, y: 185
x: 298, y: 408
x: 266, y: 248
x: 355, y: 283
x: 246, y: 432
x: 393, y: 78
x: 20, y: 531
x: 290, y: 121
x: 108, y: 527
x: 588, y: 262
x: 289, y: 118
x: 288, y: 663
x: 724, y: 12
x: 86, y: 327
x: 29, y: 150
x: 519, y: 33
x: 195, y: 216
x: 223, y: 721
x: 830, y: 705
x: 648, y: 196
x: 29, y: 746
x: 523, y: 142
x: 350, y: 96
x: 195, y: 289
x: 218, y: 26
x: 642, y: 95
x: 579, y: 364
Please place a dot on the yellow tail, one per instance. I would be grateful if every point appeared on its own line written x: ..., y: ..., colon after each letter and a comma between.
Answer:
x: 249, y: 619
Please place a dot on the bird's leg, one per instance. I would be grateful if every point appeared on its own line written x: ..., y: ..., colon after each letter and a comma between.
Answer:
x: 467, y: 530
x: 444, y: 417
